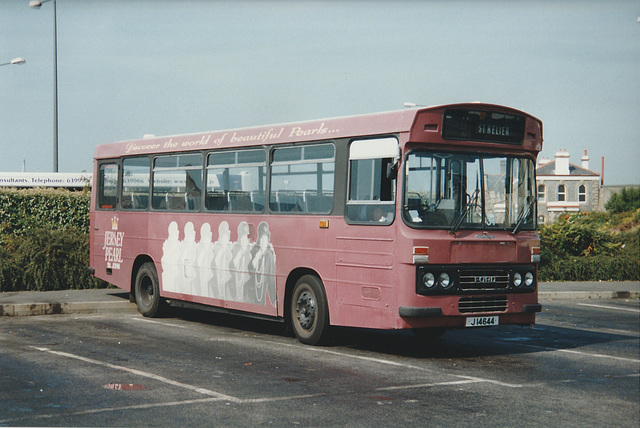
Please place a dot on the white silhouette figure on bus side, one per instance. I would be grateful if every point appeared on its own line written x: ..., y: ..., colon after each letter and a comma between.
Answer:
x: 240, y: 271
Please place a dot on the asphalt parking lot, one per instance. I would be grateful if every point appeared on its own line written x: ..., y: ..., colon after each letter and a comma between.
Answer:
x: 578, y: 366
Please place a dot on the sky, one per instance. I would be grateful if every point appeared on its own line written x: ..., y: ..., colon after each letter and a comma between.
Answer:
x: 128, y: 68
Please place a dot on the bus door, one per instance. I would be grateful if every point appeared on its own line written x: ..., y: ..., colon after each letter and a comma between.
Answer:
x: 364, y: 256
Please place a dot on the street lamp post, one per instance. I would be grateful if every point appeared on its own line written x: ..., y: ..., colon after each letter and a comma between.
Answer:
x: 35, y: 4
x: 14, y: 61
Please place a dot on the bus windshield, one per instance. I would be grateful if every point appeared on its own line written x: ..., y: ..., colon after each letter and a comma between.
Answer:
x: 469, y: 191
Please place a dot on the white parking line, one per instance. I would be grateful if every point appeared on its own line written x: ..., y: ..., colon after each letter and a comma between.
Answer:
x: 143, y: 374
x: 112, y: 409
x: 588, y: 354
x: 166, y: 324
x: 585, y: 354
x: 216, y: 396
x: 610, y: 307
x: 604, y: 330
x: 153, y: 405
x: 427, y: 385
x: 468, y: 379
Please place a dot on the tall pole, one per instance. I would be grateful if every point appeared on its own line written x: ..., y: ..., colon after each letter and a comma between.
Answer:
x: 55, y: 90
x: 36, y: 4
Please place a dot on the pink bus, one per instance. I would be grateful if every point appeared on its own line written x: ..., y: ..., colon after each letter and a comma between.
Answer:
x: 421, y: 219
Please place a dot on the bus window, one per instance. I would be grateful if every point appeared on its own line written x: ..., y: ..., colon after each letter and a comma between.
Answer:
x: 302, y: 179
x: 236, y: 181
x: 177, y: 182
x: 107, y: 186
x: 135, y: 183
x: 453, y: 190
x: 371, y: 185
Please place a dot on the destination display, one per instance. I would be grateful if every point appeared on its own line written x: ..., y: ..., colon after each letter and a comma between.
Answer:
x: 477, y: 125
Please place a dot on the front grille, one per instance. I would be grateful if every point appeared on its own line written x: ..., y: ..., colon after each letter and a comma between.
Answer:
x: 467, y: 305
x: 484, y: 279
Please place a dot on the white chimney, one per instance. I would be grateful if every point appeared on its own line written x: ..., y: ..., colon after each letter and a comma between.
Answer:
x: 562, y: 162
x: 585, y: 160
x: 543, y: 161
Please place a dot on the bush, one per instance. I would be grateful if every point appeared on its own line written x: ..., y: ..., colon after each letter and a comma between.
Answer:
x: 45, y: 260
x: 603, y: 268
x: 626, y: 200
x: 591, y: 247
x: 22, y: 210
x: 44, y: 240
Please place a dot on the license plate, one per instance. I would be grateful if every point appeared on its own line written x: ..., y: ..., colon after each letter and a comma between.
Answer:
x: 482, y: 321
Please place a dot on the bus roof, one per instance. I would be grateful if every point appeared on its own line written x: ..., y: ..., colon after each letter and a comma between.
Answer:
x: 340, y: 127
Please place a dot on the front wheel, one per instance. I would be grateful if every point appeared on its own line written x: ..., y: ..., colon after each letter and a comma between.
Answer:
x: 309, y: 311
x: 147, y: 291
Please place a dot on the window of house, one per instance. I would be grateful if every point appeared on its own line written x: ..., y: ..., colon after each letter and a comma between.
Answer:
x: 582, y: 193
x: 562, y: 193
x: 542, y: 193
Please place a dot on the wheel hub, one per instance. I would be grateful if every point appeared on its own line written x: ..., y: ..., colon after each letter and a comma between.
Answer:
x: 146, y: 290
x: 306, y: 310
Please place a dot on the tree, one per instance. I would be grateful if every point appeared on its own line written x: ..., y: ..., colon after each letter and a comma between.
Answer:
x: 626, y: 200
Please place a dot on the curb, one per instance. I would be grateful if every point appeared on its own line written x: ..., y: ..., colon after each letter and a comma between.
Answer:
x: 31, y: 309
x: 566, y: 295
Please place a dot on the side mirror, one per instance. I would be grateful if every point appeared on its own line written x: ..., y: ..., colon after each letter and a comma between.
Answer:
x: 392, y: 171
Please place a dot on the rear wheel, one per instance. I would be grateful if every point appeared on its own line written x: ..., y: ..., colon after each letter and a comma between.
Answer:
x: 309, y: 311
x: 147, y: 291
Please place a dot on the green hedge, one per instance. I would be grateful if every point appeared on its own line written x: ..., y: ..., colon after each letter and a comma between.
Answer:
x: 22, y: 210
x: 44, y: 260
x: 601, y: 268
x: 591, y: 247
x: 44, y: 240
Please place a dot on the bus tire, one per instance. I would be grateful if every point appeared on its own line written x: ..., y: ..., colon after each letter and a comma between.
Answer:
x: 147, y: 291
x: 309, y: 311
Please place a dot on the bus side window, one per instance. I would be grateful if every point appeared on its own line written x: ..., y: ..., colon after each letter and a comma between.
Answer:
x: 302, y: 179
x: 177, y: 182
x: 108, y: 186
x: 372, y: 196
x: 236, y: 181
x: 136, y: 173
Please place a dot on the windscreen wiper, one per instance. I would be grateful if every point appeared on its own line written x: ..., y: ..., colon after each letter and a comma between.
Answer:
x: 473, y: 201
x: 523, y: 215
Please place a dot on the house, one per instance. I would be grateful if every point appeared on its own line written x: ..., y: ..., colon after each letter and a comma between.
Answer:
x: 565, y: 188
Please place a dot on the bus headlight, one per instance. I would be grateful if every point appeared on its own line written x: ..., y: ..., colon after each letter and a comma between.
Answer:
x: 429, y: 280
x: 528, y: 279
x: 444, y: 280
x: 517, y: 279
x: 436, y: 280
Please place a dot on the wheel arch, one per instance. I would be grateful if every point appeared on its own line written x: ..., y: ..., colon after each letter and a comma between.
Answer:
x: 139, y: 261
x: 292, y: 279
